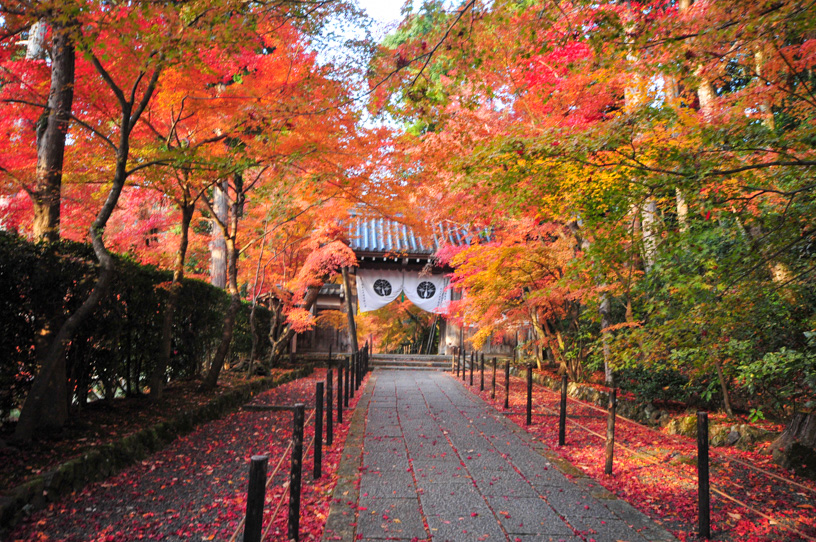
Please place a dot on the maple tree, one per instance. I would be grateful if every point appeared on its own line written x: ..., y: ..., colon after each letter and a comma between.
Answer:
x: 131, y: 106
x: 671, y: 138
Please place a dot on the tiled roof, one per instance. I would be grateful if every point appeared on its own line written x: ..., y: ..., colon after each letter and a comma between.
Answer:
x: 386, y: 236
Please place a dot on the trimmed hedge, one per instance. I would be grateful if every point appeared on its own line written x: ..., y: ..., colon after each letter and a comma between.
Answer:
x: 100, y: 462
x: 115, y: 349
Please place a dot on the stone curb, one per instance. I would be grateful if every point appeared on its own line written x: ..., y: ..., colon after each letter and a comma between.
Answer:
x: 342, y: 523
x: 728, y: 434
x: 103, y: 461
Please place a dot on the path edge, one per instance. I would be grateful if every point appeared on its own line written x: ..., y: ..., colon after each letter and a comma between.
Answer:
x: 338, y: 526
x: 642, y: 523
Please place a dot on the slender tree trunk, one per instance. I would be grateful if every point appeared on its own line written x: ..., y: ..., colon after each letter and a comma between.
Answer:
x: 51, y: 136
x: 724, y: 387
x: 218, y: 245
x: 350, y: 312
x: 35, y: 408
x: 279, y: 343
x: 253, y: 323
x: 230, y: 237
x: 220, y: 357
x: 649, y: 230
x: 157, y: 379
x: 38, y: 408
x: 606, y: 321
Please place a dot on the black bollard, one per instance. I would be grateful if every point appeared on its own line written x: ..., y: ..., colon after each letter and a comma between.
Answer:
x: 296, y: 473
x: 329, y: 408
x: 481, y: 383
x: 318, y: 439
x: 346, y: 378
x: 610, y: 430
x: 493, y: 393
x: 339, y: 393
x: 353, y: 375
x: 507, y: 384
x: 359, y: 368
x: 472, y: 363
x: 253, y: 526
x: 703, y: 487
x: 529, y: 393
x: 464, y: 366
x: 562, y: 419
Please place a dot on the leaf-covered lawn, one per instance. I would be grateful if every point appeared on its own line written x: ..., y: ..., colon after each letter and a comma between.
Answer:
x: 105, y: 422
x: 752, y: 498
x: 195, y: 489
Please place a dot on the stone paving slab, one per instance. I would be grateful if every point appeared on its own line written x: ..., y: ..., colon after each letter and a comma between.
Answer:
x: 435, y: 463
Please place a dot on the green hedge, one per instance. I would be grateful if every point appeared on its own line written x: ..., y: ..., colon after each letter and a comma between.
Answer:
x: 116, y: 348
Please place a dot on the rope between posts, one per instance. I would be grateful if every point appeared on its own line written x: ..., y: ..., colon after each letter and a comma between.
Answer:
x: 713, y: 452
x: 269, y: 479
x: 722, y: 494
x: 280, y: 501
x: 651, y: 459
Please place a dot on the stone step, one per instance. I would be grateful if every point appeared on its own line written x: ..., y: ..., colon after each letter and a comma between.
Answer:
x: 412, y: 362
x: 410, y: 367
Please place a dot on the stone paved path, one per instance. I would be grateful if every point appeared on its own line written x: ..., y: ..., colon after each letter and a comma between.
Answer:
x: 439, y: 464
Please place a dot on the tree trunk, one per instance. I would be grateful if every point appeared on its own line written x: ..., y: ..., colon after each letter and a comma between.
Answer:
x: 157, y: 379
x: 606, y: 321
x: 40, y: 407
x: 37, y: 402
x: 724, y: 387
x: 253, y: 324
x: 649, y: 231
x: 279, y: 343
x: 230, y: 232
x: 795, y: 448
x: 51, y: 137
x: 218, y: 246
x: 220, y: 357
x: 350, y: 312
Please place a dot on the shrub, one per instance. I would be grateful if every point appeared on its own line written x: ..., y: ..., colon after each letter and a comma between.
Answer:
x: 652, y: 383
x: 114, y: 351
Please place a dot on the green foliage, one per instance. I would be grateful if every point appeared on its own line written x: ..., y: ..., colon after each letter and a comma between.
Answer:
x: 653, y: 383
x: 114, y: 351
x: 782, y: 380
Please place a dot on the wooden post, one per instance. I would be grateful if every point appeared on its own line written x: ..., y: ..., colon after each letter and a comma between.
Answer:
x: 352, y: 374
x: 346, y: 378
x: 350, y: 311
x: 296, y: 472
x: 610, y: 430
x: 318, y: 439
x: 507, y: 384
x: 472, y: 363
x: 529, y: 393
x: 481, y: 382
x: 359, y: 368
x: 703, y: 487
x: 493, y: 393
x: 339, y: 393
x: 562, y: 419
x: 329, y: 409
x: 253, y: 526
